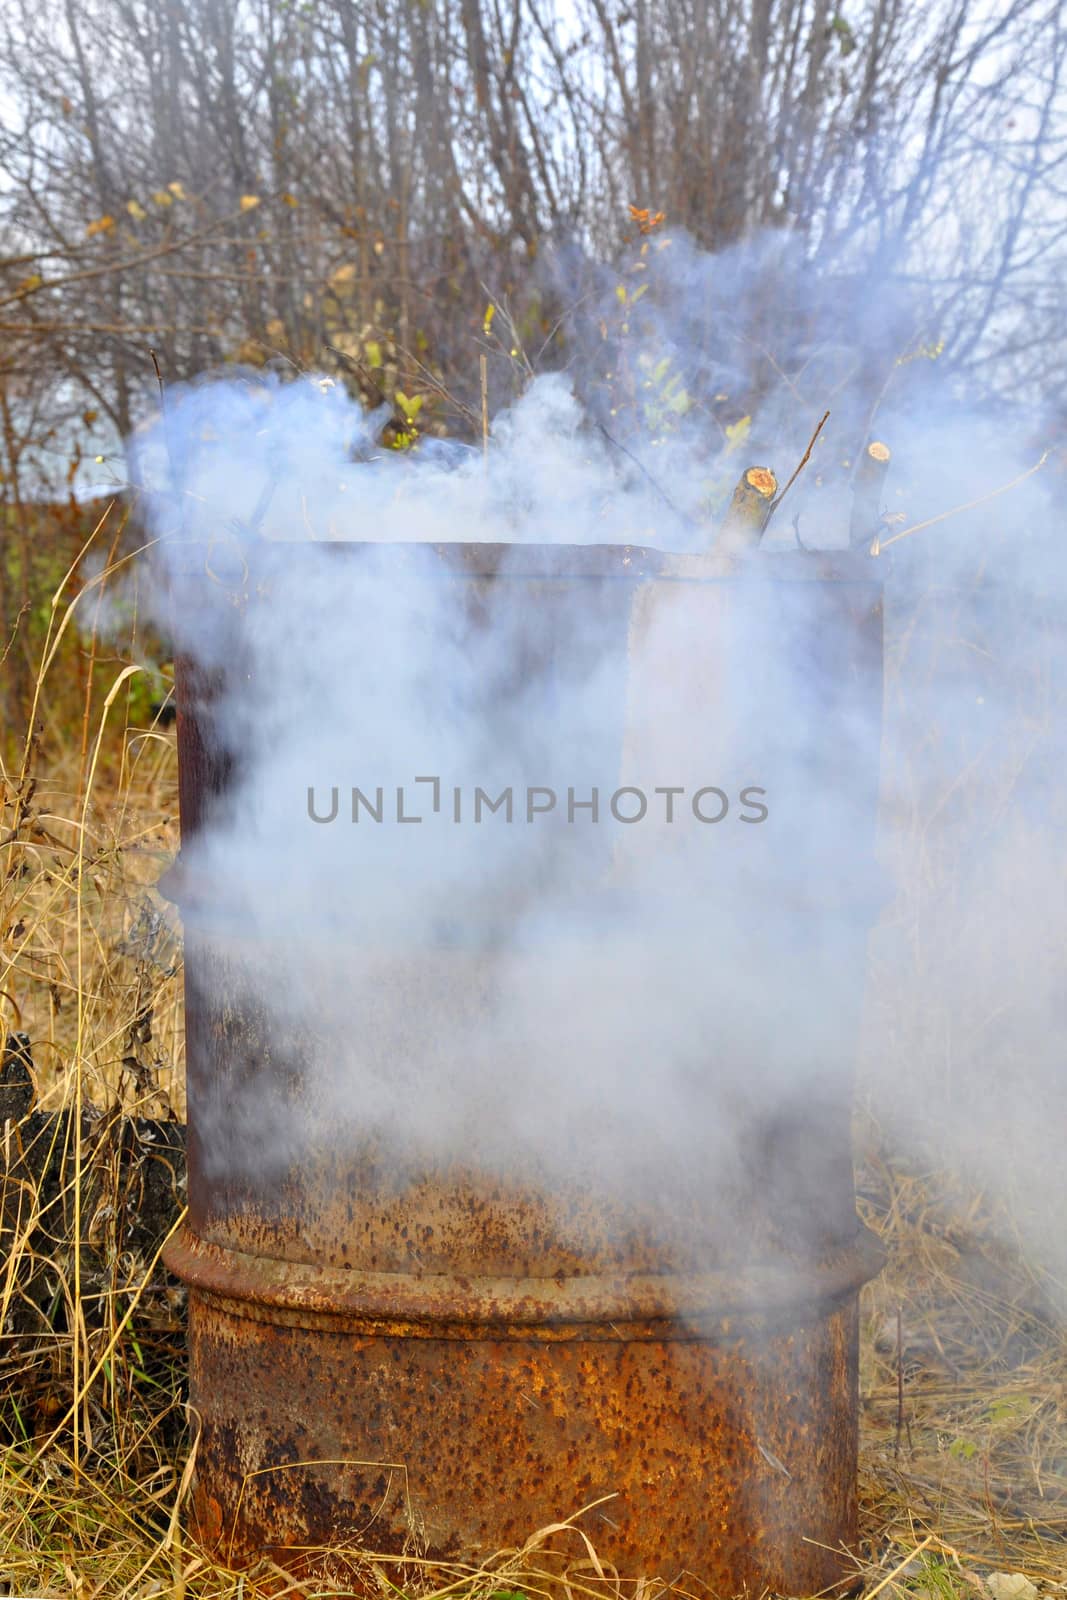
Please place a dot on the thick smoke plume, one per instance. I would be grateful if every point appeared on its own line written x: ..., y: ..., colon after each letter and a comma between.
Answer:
x: 626, y: 1002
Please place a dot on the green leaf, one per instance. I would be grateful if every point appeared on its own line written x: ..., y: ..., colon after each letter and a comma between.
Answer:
x: 922, y: 352
x: 373, y: 351
x: 1009, y: 1408
x: 737, y: 432
x: 845, y: 37
x: 410, y: 405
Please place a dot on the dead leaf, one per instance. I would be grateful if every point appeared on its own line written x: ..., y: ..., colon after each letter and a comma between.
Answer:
x: 1011, y: 1586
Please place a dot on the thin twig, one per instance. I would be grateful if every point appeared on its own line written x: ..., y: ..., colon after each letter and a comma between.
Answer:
x: 801, y: 464
x: 366, y: 377
x: 664, y: 496
x: 483, y: 365
x: 164, y: 422
x: 917, y: 527
x: 901, y: 1566
x: 110, y: 268
x: 428, y: 381
x: 900, y: 1381
x: 159, y: 379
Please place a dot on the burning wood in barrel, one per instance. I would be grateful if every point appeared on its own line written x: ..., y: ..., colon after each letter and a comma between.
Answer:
x: 829, y: 503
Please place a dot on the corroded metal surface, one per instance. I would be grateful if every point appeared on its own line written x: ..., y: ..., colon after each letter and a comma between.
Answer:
x: 437, y: 1305
x: 732, y: 1459
x: 442, y: 1360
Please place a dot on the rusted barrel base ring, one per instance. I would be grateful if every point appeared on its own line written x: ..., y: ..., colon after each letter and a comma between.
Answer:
x: 734, y: 1459
x: 428, y: 1305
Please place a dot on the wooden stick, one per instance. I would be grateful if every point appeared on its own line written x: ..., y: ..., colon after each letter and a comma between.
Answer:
x: 746, y: 516
x: 802, y: 463
x: 483, y: 362
x: 867, y: 485
x: 917, y: 527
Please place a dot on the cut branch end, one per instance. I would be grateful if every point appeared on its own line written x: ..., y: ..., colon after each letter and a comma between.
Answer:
x: 867, y: 491
x: 748, y: 511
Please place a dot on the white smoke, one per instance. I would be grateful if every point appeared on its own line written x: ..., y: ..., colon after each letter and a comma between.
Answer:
x: 613, y: 1002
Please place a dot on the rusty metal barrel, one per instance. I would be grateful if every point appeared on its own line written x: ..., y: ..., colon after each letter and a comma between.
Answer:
x: 436, y: 1351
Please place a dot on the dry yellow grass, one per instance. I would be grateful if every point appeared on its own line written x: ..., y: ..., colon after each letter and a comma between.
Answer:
x: 967, y: 1479
x: 977, y: 1455
x: 89, y: 818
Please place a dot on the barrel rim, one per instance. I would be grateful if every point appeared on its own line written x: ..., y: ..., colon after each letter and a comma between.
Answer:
x: 232, y: 556
x: 434, y: 1304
